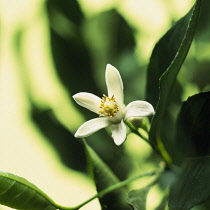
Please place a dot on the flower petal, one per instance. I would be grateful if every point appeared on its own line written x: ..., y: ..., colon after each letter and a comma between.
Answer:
x: 88, y: 100
x: 92, y: 126
x: 119, y: 133
x: 114, y: 84
x: 138, y: 109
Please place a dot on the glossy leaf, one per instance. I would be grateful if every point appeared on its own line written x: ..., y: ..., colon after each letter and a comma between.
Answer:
x: 184, y: 30
x: 192, y: 187
x: 165, y: 52
x: 18, y: 193
x: 193, y: 127
x: 104, y: 178
x: 137, y: 198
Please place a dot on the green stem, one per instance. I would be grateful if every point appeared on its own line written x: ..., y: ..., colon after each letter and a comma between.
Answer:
x: 112, y: 188
x: 135, y: 130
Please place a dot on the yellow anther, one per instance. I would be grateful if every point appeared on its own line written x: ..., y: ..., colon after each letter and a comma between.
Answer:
x: 108, y: 106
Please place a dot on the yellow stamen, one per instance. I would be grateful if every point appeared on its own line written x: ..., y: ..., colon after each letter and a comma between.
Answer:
x: 108, y: 106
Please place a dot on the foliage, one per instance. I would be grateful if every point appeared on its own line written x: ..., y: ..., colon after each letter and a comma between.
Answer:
x: 178, y: 133
x: 18, y: 193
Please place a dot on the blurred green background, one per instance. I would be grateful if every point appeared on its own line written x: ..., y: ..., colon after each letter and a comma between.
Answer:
x: 50, y: 50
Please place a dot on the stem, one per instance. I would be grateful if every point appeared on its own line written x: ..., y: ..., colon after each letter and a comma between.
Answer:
x: 135, y: 130
x: 112, y: 188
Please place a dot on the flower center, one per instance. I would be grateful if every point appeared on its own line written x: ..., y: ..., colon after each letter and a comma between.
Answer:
x: 108, y: 106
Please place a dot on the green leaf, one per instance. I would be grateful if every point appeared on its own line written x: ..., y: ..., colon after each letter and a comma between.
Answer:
x: 137, y: 198
x: 56, y: 134
x: 18, y: 193
x: 166, y: 51
x: 184, y: 30
x: 68, y: 9
x: 193, y: 127
x: 104, y: 178
x: 70, y: 53
x: 192, y: 187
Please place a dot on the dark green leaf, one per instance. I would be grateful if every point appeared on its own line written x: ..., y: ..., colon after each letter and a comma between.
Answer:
x: 192, y: 186
x: 165, y: 52
x: 68, y: 9
x: 110, y: 38
x: 193, y: 127
x: 61, y: 139
x: 184, y: 30
x: 137, y: 198
x: 122, y: 36
x: 104, y: 178
x: 72, y: 62
x: 203, y: 27
x: 18, y: 193
x: 70, y: 53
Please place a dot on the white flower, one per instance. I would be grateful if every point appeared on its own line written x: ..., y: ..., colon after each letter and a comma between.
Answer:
x: 111, y: 109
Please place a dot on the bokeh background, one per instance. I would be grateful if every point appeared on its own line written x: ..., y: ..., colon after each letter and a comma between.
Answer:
x: 50, y: 50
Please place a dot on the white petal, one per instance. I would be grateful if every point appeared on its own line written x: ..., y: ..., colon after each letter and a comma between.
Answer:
x: 88, y: 100
x: 119, y: 133
x: 92, y: 126
x: 138, y: 109
x: 114, y: 84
